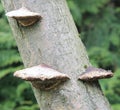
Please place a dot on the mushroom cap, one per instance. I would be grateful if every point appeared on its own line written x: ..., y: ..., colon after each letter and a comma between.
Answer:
x: 92, y: 73
x: 24, y: 16
x: 40, y: 73
x: 21, y: 13
x: 42, y: 76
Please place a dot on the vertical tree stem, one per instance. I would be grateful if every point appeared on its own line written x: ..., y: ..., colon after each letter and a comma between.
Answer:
x: 55, y: 42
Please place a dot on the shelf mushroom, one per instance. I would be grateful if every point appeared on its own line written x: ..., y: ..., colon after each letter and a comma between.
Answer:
x: 24, y: 16
x: 92, y: 73
x: 42, y: 76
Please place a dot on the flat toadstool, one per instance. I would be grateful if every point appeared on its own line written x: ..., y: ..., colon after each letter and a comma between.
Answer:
x: 42, y: 76
x: 24, y: 16
x: 92, y: 73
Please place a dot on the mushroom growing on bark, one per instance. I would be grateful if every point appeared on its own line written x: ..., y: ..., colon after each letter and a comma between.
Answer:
x: 92, y: 73
x: 42, y: 76
x: 24, y: 16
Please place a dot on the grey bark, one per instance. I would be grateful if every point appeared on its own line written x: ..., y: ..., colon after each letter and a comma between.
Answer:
x: 55, y: 42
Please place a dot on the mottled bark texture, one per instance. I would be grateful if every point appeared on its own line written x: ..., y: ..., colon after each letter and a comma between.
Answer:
x: 55, y: 42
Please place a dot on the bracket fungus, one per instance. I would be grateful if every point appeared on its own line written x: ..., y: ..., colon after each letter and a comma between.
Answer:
x: 24, y: 16
x: 92, y: 73
x: 42, y: 76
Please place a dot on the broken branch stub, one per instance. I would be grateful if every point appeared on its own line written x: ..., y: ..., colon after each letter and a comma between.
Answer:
x: 92, y: 73
x: 24, y: 16
x: 42, y: 76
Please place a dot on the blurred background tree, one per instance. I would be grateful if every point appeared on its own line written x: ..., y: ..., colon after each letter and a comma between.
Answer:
x: 99, y: 27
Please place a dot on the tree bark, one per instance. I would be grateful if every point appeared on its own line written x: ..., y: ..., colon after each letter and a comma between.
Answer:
x: 55, y: 42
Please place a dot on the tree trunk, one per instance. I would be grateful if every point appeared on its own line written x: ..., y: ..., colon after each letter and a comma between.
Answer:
x: 55, y: 41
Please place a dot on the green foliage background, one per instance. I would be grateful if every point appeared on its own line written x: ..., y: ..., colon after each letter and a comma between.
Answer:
x: 98, y: 22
